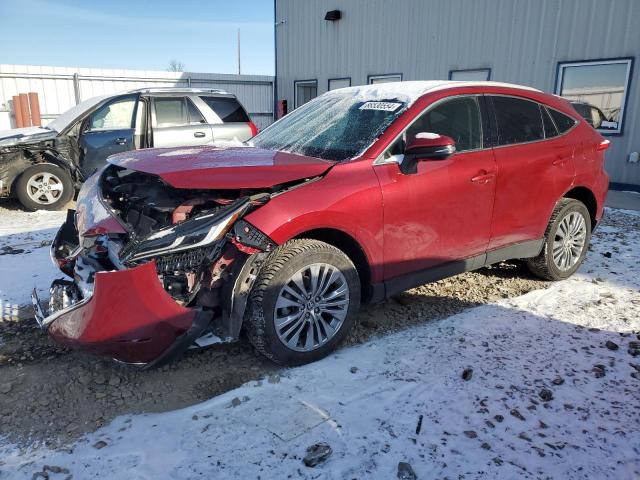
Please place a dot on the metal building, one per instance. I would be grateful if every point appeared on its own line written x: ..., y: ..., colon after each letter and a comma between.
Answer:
x: 585, y: 50
x: 60, y: 88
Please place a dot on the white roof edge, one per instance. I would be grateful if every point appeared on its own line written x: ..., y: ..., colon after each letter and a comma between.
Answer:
x: 411, y: 90
x: 484, y: 83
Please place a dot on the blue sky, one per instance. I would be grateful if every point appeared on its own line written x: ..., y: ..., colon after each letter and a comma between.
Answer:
x: 139, y: 35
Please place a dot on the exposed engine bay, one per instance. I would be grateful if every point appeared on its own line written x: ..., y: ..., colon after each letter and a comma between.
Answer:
x: 196, y: 239
x: 192, y: 235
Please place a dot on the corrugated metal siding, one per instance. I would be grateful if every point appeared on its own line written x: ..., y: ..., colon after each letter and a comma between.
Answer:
x: 522, y: 41
x: 56, y: 91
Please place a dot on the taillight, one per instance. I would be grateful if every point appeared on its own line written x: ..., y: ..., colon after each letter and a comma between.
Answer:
x: 603, y: 145
x: 254, y: 129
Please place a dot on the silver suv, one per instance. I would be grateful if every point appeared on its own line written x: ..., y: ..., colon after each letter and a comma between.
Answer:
x: 44, y: 166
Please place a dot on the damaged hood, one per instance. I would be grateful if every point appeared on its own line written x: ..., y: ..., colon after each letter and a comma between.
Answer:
x: 9, y: 138
x: 221, y: 168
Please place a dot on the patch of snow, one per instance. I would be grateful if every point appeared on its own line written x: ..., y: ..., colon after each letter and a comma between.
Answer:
x: 175, y: 153
x: 410, y: 91
x: 235, y: 142
x: 24, y: 256
x: 407, y: 92
x: 496, y: 424
x: 427, y: 135
x: 23, y: 132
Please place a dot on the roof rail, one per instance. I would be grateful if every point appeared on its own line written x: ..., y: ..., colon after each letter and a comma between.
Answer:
x: 178, y: 90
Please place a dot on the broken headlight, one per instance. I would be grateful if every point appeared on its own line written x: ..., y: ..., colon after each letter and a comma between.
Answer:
x: 199, y: 231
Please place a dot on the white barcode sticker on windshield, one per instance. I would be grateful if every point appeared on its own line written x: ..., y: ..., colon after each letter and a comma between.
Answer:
x: 385, y: 106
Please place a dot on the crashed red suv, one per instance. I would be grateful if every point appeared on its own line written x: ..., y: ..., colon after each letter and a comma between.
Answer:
x: 359, y: 194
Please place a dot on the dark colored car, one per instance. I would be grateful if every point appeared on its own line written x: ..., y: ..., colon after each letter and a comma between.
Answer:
x: 359, y: 194
x: 594, y: 116
x: 43, y: 167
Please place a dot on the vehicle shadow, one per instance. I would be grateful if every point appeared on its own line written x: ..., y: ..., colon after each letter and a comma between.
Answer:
x: 52, y: 377
x: 11, y: 204
x: 544, y: 393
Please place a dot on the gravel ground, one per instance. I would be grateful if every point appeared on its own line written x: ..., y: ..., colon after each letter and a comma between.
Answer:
x: 53, y: 395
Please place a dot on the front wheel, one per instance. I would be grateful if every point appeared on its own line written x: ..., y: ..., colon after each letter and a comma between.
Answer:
x: 44, y: 186
x: 566, y: 241
x: 303, y: 303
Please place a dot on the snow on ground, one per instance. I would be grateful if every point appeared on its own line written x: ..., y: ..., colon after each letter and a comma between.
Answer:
x: 366, y: 401
x: 24, y: 247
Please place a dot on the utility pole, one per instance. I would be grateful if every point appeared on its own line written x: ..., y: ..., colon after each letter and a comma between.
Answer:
x: 238, y: 51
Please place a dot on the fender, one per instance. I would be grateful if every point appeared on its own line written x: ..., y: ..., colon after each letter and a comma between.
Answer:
x: 342, y: 200
x: 55, y: 158
x: 12, y: 164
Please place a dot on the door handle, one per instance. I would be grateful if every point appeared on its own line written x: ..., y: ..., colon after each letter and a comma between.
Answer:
x: 559, y: 162
x: 199, y: 134
x: 483, y: 178
x: 121, y: 141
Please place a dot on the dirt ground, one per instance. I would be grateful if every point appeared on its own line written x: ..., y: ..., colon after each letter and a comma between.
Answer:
x: 53, y: 395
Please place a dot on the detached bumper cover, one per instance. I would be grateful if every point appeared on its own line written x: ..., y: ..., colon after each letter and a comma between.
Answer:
x: 129, y: 317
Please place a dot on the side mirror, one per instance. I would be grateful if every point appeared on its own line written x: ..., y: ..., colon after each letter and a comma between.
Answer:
x: 426, y: 146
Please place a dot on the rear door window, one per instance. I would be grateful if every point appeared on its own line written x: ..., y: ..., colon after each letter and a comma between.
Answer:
x: 519, y: 120
x: 227, y: 108
x: 171, y: 112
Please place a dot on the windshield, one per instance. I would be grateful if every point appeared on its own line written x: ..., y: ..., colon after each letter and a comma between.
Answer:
x: 64, y: 120
x: 332, y: 127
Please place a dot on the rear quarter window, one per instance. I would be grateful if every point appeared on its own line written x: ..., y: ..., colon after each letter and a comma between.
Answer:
x: 562, y: 121
x: 550, y: 129
x: 227, y: 108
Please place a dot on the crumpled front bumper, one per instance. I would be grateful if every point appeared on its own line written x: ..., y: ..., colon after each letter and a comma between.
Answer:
x: 129, y: 317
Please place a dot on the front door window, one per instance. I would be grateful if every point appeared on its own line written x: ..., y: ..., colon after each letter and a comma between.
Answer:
x: 458, y: 118
x: 113, y: 116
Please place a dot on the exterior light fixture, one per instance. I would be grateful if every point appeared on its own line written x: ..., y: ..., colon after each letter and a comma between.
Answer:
x: 333, y: 15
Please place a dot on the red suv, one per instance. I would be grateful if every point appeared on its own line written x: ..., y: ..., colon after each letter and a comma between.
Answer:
x: 359, y: 194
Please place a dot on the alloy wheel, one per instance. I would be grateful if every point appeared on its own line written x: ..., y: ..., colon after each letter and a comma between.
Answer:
x: 569, y: 241
x: 311, y: 307
x: 44, y: 188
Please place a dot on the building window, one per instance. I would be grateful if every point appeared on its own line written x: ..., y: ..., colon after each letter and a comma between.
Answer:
x: 598, y: 90
x: 338, y: 83
x: 471, y: 75
x: 305, y: 90
x: 391, y: 77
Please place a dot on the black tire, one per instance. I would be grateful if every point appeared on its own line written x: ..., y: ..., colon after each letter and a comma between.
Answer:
x: 543, y: 265
x: 61, y: 198
x: 280, y: 266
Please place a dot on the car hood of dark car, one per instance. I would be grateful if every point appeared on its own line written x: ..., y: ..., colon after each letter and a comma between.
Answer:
x: 17, y: 136
x: 222, y: 168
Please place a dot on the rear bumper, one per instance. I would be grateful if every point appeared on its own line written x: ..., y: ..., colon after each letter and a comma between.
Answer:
x: 128, y: 317
x: 601, y: 191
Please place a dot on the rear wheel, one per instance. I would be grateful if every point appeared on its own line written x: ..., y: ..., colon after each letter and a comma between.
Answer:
x: 44, y: 186
x: 303, y: 303
x: 566, y: 241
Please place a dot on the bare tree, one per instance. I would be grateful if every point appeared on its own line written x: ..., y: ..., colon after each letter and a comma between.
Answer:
x: 175, y: 66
